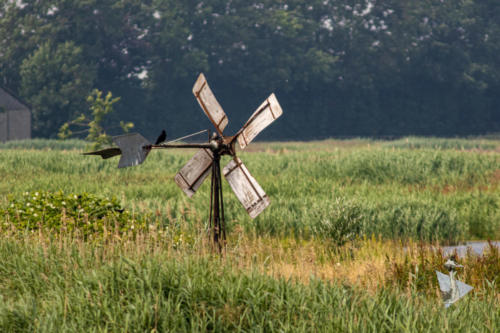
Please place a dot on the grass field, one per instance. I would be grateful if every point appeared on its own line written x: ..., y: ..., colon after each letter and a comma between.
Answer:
x: 342, y: 247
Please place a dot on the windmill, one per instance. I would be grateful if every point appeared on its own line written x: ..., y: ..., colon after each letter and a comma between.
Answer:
x: 134, y: 149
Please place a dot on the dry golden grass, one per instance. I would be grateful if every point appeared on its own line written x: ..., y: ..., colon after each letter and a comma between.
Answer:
x: 364, y: 264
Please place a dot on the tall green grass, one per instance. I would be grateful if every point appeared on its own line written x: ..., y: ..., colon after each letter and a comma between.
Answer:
x: 321, y: 193
x: 445, y: 143
x: 45, y: 144
x: 421, y: 194
x: 49, y: 288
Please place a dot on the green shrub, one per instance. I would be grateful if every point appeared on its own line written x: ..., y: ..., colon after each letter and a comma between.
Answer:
x: 57, y: 211
x: 339, y: 223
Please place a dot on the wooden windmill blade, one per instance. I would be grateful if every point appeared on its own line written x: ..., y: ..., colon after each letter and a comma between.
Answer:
x: 192, y: 175
x: 209, y: 104
x: 245, y: 187
x: 266, y: 113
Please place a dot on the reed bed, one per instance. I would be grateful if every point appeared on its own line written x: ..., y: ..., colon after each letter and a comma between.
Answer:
x: 424, y: 194
x: 152, y: 282
x: 349, y: 243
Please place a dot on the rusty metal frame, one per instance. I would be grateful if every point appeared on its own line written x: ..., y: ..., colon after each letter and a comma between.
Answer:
x: 217, y: 221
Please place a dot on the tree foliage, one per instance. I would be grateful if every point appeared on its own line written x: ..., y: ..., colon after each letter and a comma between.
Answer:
x: 93, y: 125
x: 55, y: 81
x: 339, y: 68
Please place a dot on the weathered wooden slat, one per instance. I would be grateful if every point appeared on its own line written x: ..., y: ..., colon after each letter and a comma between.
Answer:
x: 192, y: 175
x: 245, y: 187
x: 268, y: 112
x: 209, y: 104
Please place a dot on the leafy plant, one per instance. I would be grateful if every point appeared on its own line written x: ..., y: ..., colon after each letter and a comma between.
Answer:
x: 100, y: 107
x: 55, y: 79
x: 57, y: 211
x: 340, y: 223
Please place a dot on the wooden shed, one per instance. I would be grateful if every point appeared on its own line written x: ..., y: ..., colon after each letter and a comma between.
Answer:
x: 15, y: 117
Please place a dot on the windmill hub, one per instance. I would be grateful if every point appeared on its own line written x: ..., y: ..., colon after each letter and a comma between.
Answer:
x: 219, y: 147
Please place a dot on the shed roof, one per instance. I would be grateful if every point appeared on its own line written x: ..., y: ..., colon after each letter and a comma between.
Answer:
x: 10, y: 102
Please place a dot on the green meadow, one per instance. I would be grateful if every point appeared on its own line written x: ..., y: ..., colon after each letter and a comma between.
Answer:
x: 347, y: 244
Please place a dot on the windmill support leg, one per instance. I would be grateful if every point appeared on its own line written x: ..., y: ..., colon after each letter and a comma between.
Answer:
x: 217, y: 223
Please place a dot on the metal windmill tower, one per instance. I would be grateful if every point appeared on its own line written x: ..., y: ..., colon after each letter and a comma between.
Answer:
x: 134, y: 149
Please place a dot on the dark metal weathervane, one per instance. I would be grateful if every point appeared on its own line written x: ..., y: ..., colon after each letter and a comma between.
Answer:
x: 134, y: 149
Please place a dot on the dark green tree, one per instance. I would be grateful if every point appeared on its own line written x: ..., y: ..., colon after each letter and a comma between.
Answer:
x: 339, y: 68
x: 55, y: 80
x: 92, y: 125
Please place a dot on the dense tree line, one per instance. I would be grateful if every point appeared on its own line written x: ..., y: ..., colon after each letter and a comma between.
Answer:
x: 338, y: 67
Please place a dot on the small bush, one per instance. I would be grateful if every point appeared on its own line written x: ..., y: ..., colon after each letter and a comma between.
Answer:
x: 57, y: 211
x: 340, y: 223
